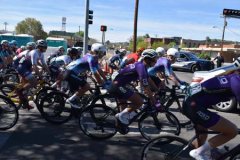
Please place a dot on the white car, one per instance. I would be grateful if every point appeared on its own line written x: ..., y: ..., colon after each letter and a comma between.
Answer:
x: 201, y: 76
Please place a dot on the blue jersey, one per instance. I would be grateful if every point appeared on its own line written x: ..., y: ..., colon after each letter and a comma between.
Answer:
x: 116, y: 58
x: 162, y: 65
x: 132, y: 72
x: 86, y: 63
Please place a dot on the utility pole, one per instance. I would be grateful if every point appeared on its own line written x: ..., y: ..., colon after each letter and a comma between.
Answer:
x: 5, y: 23
x: 85, y: 42
x: 224, y: 27
x: 79, y: 30
x: 135, y: 26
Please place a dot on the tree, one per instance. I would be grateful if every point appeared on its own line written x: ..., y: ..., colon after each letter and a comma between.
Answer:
x: 140, y: 43
x: 207, y: 41
x: 157, y: 44
x: 81, y: 33
x: 32, y: 27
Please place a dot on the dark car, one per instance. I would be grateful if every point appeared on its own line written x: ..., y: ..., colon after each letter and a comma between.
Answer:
x: 188, y: 61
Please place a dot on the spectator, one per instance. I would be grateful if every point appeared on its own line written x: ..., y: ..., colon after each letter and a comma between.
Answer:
x: 220, y: 60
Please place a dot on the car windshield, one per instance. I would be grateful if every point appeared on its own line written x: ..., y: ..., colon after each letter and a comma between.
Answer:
x: 191, y: 55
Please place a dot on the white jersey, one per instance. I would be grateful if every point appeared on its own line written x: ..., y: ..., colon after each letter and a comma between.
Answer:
x: 24, y: 53
x: 37, y: 56
x: 61, y: 60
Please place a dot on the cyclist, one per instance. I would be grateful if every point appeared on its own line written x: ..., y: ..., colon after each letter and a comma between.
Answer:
x: 27, y: 63
x: 115, y: 61
x: 201, y: 97
x: 163, y: 68
x: 57, y: 65
x: 58, y: 53
x: 5, y: 53
x: 160, y: 51
x: 131, y: 58
x: 29, y: 46
x: 121, y: 89
x: 89, y: 61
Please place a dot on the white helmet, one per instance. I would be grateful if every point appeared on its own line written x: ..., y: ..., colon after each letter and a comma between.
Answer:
x: 149, y: 53
x: 98, y: 47
x: 172, y: 52
x: 237, y: 62
x: 160, y: 51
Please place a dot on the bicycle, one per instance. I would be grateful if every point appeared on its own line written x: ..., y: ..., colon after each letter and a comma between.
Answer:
x: 55, y: 110
x: 98, y: 121
x: 172, y: 101
x: 8, y: 113
x: 170, y: 147
x: 10, y: 91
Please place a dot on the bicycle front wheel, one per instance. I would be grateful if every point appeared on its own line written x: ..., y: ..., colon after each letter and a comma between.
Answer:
x: 152, y: 125
x: 167, y: 148
x: 175, y: 106
x: 98, y: 121
x: 54, y: 109
x: 8, y: 113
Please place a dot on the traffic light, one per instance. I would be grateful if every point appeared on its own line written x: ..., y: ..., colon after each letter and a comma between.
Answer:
x: 90, y: 17
x: 103, y: 28
x: 231, y: 13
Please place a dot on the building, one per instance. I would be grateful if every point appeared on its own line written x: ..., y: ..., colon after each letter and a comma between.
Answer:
x: 229, y: 51
x: 71, y: 38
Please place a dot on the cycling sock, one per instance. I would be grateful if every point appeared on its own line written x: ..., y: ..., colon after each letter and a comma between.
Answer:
x: 205, y: 147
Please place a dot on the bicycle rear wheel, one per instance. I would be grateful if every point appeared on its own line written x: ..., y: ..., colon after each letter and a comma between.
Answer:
x: 54, y: 109
x: 151, y: 125
x: 98, y: 121
x: 167, y: 148
x: 8, y: 113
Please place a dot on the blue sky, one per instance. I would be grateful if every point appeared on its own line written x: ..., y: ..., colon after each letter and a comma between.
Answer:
x: 189, y: 19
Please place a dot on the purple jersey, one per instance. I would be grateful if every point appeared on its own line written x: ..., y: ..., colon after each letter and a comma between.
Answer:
x: 162, y: 65
x: 218, y: 89
x: 133, y: 72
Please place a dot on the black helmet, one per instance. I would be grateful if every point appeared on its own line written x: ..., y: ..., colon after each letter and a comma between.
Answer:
x: 73, y: 51
x: 41, y: 43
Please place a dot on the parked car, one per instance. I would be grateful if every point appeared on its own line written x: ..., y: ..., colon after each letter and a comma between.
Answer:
x: 201, y: 76
x: 190, y: 62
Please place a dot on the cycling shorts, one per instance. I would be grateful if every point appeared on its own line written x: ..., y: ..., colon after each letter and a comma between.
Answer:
x: 75, y: 81
x: 199, y: 114
x: 121, y: 92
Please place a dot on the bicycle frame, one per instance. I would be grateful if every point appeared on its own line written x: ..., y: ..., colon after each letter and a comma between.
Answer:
x: 31, y: 97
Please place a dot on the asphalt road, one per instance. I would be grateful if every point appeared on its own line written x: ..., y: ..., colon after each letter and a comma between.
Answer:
x: 35, y: 139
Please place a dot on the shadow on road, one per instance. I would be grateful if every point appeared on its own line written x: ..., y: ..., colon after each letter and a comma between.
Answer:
x: 37, y: 139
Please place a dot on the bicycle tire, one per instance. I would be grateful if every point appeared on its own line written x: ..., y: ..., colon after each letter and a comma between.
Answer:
x: 11, y: 78
x: 8, y: 113
x: 6, y: 89
x: 175, y: 106
x: 152, y: 125
x: 98, y: 121
x: 167, y: 148
x: 235, y: 156
x: 54, y: 109
x: 40, y: 95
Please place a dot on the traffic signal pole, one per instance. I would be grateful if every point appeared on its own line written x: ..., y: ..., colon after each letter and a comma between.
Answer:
x: 85, y: 42
x: 224, y: 27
